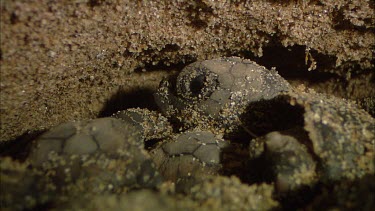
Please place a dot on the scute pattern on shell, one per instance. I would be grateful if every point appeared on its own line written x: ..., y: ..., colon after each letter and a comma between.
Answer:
x: 214, y: 94
x: 150, y: 124
x: 304, y: 139
x: 342, y: 134
x: 91, y: 153
x: 189, y: 154
x: 218, y: 91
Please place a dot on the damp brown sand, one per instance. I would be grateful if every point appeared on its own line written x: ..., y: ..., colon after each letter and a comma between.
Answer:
x: 66, y: 60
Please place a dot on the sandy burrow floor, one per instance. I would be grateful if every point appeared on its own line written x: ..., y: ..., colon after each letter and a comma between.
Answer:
x: 70, y: 60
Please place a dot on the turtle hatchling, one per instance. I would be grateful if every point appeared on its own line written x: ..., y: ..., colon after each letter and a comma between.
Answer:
x: 100, y: 155
x: 214, y: 93
x: 220, y: 117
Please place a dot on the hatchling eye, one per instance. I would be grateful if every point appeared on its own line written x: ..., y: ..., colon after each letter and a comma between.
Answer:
x: 196, y: 83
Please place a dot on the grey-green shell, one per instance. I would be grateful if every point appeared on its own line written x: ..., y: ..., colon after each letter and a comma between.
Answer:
x: 189, y: 154
x: 209, y: 98
x: 217, y: 90
x: 104, y: 154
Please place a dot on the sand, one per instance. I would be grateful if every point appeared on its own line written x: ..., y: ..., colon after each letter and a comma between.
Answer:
x: 72, y: 60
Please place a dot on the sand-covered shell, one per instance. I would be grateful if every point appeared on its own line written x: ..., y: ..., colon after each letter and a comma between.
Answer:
x: 189, y: 154
x: 328, y: 140
x: 104, y: 154
x: 342, y: 135
x: 22, y: 188
x: 151, y: 124
x: 288, y: 159
x: 217, y: 91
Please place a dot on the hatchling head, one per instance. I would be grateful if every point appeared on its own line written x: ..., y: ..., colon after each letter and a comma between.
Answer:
x: 217, y: 91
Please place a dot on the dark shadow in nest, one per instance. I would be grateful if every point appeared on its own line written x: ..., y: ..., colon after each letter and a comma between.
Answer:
x: 291, y: 64
x: 346, y: 194
x: 276, y: 114
x: 122, y: 100
x: 19, y: 147
x: 260, y: 118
